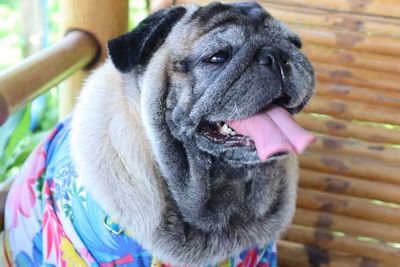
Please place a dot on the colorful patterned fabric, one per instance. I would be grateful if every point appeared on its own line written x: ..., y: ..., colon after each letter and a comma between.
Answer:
x: 51, y: 220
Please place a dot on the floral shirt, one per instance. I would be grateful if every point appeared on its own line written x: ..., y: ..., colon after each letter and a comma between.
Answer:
x: 50, y: 220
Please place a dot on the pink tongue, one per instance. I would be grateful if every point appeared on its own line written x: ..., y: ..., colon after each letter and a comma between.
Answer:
x: 273, y: 131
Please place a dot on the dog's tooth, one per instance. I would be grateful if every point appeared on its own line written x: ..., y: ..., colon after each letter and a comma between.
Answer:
x: 225, y: 130
x: 222, y: 129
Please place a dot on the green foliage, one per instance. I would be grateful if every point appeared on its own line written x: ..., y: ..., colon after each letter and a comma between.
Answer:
x: 9, y: 3
x: 137, y: 11
x: 11, y: 44
x: 16, y: 142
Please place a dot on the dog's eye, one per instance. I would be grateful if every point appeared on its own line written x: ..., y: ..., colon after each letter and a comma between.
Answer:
x: 218, y: 58
x: 296, y: 41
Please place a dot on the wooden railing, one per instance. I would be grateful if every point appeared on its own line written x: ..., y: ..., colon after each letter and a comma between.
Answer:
x: 88, y: 31
x: 35, y: 75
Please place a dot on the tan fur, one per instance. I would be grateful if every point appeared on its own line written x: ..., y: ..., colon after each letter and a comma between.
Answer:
x: 112, y: 154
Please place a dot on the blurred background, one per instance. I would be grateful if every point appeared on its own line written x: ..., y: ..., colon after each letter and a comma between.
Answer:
x: 26, y: 26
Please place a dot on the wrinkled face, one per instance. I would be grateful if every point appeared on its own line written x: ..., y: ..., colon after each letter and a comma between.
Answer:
x: 238, y: 62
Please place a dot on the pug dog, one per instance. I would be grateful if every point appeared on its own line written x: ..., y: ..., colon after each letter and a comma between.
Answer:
x: 182, y: 147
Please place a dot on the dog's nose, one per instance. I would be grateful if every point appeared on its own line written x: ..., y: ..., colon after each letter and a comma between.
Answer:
x: 272, y: 57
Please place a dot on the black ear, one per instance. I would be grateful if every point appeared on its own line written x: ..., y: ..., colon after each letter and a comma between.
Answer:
x: 137, y: 47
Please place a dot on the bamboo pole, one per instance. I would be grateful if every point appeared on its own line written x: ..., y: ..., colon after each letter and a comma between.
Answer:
x: 292, y: 254
x: 354, y: 59
x: 358, y: 77
x: 356, y: 93
x: 351, y: 110
x: 301, y: 255
x: 346, y: 185
x: 349, y: 40
x: 38, y: 73
x: 104, y: 19
x: 326, y: 240
x: 334, y: 20
x: 347, y: 225
x: 349, y: 206
x: 352, y: 166
x: 385, y: 8
x: 343, y: 128
x: 345, y: 146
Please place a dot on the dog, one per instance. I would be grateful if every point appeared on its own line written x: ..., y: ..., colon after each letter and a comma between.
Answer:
x: 181, y: 150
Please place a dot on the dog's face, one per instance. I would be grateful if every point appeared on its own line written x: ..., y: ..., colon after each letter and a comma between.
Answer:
x: 229, y: 62
x: 239, y: 62
x: 199, y: 68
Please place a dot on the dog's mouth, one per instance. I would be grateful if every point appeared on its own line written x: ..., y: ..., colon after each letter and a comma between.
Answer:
x: 221, y: 133
x: 272, y: 132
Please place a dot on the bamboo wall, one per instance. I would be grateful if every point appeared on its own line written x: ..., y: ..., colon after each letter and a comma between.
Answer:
x: 349, y: 190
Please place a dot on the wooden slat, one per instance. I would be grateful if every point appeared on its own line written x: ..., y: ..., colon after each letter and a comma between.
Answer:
x: 296, y: 255
x: 292, y: 254
x: 346, y: 146
x: 358, y: 77
x: 351, y: 166
x: 354, y: 59
x: 326, y: 240
x: 385, y: 8
x: 343, y: 128
x: 347, y: 225
x: 334, y: 19
x: 368, y: 95
x: 349, y: 206
x: 345, y: 185
x: 349, y: 40
x: 38, y: 73
x: 352, y: 110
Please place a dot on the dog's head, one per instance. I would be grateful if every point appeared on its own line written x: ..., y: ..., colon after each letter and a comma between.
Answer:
x: 225, y: 63
x: 212, y: 80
